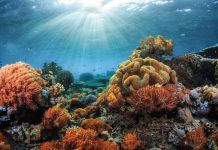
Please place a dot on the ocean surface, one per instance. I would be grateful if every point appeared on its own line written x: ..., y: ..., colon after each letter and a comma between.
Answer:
x: 96, y: 35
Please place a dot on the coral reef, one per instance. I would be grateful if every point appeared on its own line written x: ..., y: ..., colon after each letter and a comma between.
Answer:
x: 56, y: 90
x: 95, y: 124
x: 86, y: 77
x: 131, y: 141
x: 65, y: 78
x: 152, y: 99
x: 51, y: 67
x: 83, y: 112
x: 137, y: 73
x: 154, y: 48
x: 55, y: 118
x: 197, y: 138
x: 20, y: 86
x: 52, y: 145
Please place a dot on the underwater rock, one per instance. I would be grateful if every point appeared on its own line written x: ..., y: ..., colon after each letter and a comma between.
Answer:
x: 209, y: 52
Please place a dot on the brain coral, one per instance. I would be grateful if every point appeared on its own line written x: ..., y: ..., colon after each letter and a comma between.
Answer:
x: 20, y: 85
x: 134, y: 74
x: 55, y: 118
x: 152, y: 99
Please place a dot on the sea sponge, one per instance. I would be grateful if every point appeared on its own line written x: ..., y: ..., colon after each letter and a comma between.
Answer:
x: 197, y: 138
x: 137, y: 73
x: 55, y: 118
x: 131, y: 141
x: 56, y: 90
x: 152, y: 99
x: 3, y: 143
x: 153, y: 48
x: 80, y: 139
x: 96, y: 124
x: 20, y: 86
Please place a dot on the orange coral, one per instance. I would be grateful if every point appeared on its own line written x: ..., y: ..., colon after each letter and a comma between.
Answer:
x: 20, y: 85
x: 131, y: 141
x: 80, y: 139
x: 197, y: 138
x: 55, y: 118
x: 105, y: 145
x: 151, y: 98
x: 3, y: 143
x: 95, y: 124
x: 52, y: 145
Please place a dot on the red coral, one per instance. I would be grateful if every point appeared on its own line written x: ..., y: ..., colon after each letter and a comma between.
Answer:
x: 197, y: 138
x: 55, y: 118
x: 96, y: 124
x: 151, y: 98
x: 105, y: 145
x: 80, y: 139
x: 52, y: 145
x: 20, y: 85
x: 131, y: 141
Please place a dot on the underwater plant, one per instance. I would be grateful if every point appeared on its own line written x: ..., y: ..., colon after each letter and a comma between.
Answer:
x: 152, y: 99
x: 55, y: 118
x: 86, y: 77
x: 65, y: 78
x: 96, y: 124
x: 51, y: 67
x: 137, y: 73
x: 131, y: 141
x: 20, y: 86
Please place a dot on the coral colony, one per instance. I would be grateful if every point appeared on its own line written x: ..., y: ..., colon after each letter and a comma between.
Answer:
x: 150, y: 102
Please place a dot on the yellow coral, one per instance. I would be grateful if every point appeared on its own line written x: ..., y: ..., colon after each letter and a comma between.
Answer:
x: 137, y: 73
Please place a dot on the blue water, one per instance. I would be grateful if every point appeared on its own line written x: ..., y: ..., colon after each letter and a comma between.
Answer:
x: 91, y: 36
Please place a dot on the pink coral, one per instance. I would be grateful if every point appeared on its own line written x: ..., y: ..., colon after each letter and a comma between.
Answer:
x: 20, y: 85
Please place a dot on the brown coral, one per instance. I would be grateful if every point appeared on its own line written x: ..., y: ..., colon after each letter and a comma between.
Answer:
x: 151, y: 98
x: 197, y: 138
x: 20, y: 86
x: 95, y: 124
x: 153, y: 47
x: 131, y: 141
x: 55, y: 118
x: 137, y: 73
x: 3, y: 143
x: 83, y: 112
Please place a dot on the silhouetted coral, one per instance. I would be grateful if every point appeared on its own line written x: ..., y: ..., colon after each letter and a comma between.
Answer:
x: 95, y: 124
x: 86, y: 77
x: 51, y: 67
x: 20, y: 86
x: 55, y: 118
x: 65, y: 78
x: 131, y: 141
x: 151, y: 98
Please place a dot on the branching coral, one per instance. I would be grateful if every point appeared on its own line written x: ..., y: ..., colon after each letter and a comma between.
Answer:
x: 83, y: 112
x: 151, y: 98
x: 96, y: 124
x: 56, y: 90
x: 80, y: 139
x: 137, y: 73
x: 55, y: 118
x: 197, y: 138
x: 131, y: 141
x: 20, y: 86
x: 153, y: 47
x: 3, y: 144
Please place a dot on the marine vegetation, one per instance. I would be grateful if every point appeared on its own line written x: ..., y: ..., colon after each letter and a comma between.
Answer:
x: 150, y: 102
